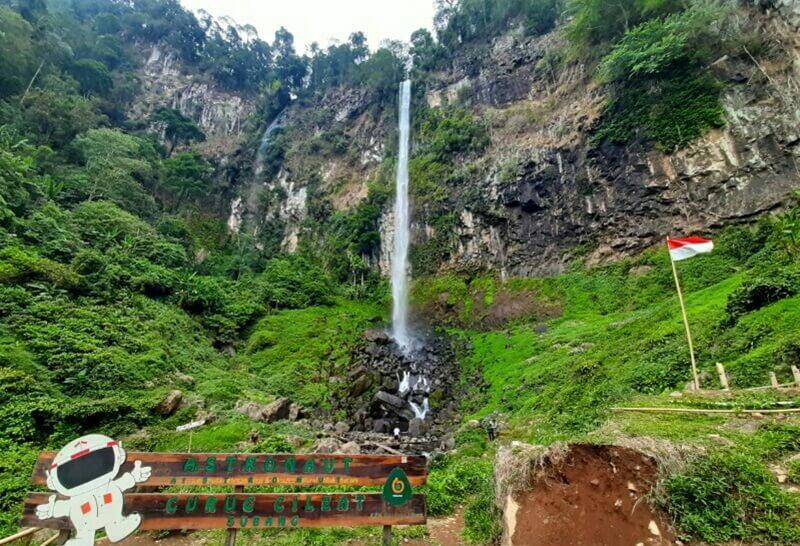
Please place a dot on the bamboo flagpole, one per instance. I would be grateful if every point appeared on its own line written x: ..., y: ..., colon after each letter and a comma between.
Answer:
x: 695, y: 377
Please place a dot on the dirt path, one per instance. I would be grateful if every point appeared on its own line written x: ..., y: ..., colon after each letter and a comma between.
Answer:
x: 146, y: 539
x: 443, y: 531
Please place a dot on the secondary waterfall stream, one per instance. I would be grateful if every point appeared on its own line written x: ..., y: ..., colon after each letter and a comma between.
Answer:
x: 266, y: 140
x: 401, y: 226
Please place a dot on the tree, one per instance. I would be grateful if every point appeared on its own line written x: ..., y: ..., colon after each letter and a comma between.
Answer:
x: 92, y: 76
x: 289, y: 68
x: 462, y: 21
x: 169, y: 22
x: 32, y: 10
x: 177, y: 127
x: 17, y: 52
x: 118, y: 168
x: 234, y: 62
x: 55, y: 116
x: 424, y: 50
x: 187, y: 176
x: 382, y: 72
x: 597, y: 22
x: 17, y: 190
x: 109, y: 50
x: 358, y: 45
x: 107, y: 23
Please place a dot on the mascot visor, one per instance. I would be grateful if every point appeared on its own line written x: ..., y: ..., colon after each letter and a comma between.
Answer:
x: 87, y: 467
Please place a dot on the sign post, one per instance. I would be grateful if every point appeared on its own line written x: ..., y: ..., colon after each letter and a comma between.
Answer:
x: 190, y: 427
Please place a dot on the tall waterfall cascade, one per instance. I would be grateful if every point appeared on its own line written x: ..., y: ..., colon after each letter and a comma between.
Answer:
x: 400, y: 331
x: 412, y: 383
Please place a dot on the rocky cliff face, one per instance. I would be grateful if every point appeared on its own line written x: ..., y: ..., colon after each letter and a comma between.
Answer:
x: 168, y: 82
x: 543, y: 191
x: 333, y: 142
x: 546, y: 188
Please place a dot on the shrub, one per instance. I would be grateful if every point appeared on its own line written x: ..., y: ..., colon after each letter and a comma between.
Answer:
x: 732, y: 496
x: 453, y: 480
x: 273, y: 443
x: 655, y: 47
x: 17, y: 190
x: 660, y: 91
x: 294, y: 283
x: 670, y: 112
x: 201, y: 294
x: 446, y: 132
x: 428, y: 176
x: 761, y: 291
x: 16, y: 461
x: 101, y: 224
x: 481, y: 518
x: 27, y: 411
x: 19, y: 265
x: 50, y: 231
x: 787, y: 228
x: 793, y: 470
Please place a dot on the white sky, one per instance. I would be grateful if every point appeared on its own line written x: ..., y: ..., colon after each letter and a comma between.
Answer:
x: 324, y: 20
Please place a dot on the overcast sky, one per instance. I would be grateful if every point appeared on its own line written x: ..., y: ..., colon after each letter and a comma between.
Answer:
x: 324, y: 20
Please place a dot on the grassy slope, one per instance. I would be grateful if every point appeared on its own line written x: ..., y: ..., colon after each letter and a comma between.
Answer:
x: 297, y: 353
x: 620, y: 341
x: 152, y: 343
x: 621, y: 335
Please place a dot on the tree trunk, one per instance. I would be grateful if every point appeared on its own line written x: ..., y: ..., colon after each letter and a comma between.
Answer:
x: 30, y: 84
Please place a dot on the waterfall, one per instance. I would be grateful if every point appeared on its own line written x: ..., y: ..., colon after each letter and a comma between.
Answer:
x: 401, y: 227
x: 266, y: 139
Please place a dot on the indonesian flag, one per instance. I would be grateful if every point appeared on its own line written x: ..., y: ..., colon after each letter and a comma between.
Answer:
x: 688, y: 247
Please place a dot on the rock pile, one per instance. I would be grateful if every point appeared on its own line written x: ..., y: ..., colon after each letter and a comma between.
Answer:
x: 387, y: 389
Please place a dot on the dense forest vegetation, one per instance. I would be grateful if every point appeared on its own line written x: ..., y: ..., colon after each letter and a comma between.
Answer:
x: 119, y: 280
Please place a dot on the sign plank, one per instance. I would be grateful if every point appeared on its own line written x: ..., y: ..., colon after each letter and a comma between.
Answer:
x: 252, y: 511
x: 195, y: 469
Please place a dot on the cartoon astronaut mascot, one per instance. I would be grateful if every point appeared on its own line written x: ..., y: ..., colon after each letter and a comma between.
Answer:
x: 84, y: 471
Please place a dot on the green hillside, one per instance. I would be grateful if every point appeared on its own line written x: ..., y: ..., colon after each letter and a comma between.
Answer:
x: 122, y: 282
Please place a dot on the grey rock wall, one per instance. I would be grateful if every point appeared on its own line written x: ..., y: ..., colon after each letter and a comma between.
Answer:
x: 167, y: 82
x: 607, y: 201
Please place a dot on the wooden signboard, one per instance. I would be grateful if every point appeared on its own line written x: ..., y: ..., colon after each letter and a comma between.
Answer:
x: 96, y: 482
x: 197, y: 469
x: 252, y: 511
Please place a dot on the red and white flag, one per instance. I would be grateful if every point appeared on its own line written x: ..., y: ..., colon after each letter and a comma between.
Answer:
x: 688, y: 247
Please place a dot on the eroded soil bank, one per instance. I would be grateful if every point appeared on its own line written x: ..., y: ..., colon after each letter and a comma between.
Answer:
x: 588, y: 495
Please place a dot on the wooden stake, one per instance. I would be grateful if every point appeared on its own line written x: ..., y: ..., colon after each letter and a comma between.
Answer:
x: 773, y: 379
x: 51, y: 540
x: 22, y: 534
x: 387, y: 535
x: 230, y: 536
x: 708, y: 411
x: 695, y: 377
x: 796, y: 374
x: 723, y: 377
